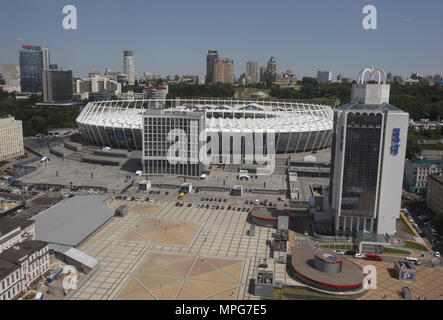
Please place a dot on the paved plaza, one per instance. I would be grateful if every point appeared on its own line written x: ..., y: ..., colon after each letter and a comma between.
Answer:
x: 184, y: 277
x: 128, y: 267
x: 428, y: 284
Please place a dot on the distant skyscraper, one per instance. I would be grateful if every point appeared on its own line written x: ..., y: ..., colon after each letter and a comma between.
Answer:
x: 324, y: 76
x: 210, y: 57
x: 270, y: 74
x: 128, y: 66
x: 389, y: 77
x: 32, y: 62
x: 223, y: 70
x: 253, y: 71
x: 57, y: 85
x: 367, y: 163
x: 11, y: 74
x: 272, y: 65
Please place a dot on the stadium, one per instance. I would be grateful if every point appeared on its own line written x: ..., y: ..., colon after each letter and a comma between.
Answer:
x: 299, y: 127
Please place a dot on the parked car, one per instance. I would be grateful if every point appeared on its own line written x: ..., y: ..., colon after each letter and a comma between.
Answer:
x: 339, y: 252
x: 359, y: 256
x: 373, y: 257
x: 437, y: 254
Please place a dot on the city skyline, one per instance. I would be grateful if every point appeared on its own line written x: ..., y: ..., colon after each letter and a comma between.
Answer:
x: 405, y: 30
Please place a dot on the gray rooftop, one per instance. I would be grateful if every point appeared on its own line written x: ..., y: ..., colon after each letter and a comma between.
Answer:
x: 72, y: 220
x: 369, y: 107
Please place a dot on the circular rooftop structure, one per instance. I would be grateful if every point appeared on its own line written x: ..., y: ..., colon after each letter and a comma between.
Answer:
x: 325, y: 269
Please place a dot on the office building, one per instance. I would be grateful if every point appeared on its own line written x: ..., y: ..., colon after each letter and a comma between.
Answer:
x: 223, y: 70
x: 11, y: 143
x: 128, y: 66
x: 324, y: 76
x: 159, y: 155
x: 210, y: 57
x: 417, y: 172
x: 33, y: 60
x: 11, y: 74
x: 269, y: 75
x: 367, y: 162
x: 434, y: 198
x: 96, y: 83
x: 57, y: 85
x: 253, y: 71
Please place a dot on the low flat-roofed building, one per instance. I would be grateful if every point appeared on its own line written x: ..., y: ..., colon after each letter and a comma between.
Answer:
x: 72, y: 220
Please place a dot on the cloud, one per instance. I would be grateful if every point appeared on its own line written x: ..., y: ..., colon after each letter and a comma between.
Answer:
x: 409, y: 19
x: 20, y: 39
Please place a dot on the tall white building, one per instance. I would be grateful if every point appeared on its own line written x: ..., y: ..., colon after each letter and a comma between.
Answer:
x: 324, y: 76
x: 46, y: 59
x: 11, y: 74
x: 253, y: 71
x: 368, y: 158
x: 11, y: 142
x: 128, y: 66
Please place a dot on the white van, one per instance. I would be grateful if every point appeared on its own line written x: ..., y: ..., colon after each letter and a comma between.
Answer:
x: 415, y: 260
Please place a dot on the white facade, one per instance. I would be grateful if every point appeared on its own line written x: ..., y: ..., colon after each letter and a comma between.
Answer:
x: 128, y: 66
x: 46, y: 59
x: 253, y: 71
x: 10, y: 238
x: 97, y: 83
x: 298, y: 127
x: 417, y: 172
x: 11, y: 143
x: 10, y: 280
x: 11, y: 74
x: 368, y: 159
x: 324, y: 76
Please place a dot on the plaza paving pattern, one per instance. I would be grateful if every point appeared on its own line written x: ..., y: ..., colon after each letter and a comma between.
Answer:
x: 428, y: 284
x: 143, y: 208
x: 162, y: 231
x: 183, y: 277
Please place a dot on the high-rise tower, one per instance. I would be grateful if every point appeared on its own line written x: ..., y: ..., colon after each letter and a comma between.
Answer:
x: 128, y: 66
x: 210, y: 57
x: 367, y: 163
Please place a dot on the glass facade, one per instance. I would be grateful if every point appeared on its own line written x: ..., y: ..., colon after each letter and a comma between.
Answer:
x: 31, y: 67
x: 361, y: 163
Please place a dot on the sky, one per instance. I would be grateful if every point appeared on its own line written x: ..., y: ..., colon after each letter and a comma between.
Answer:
x: 172, y: 37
